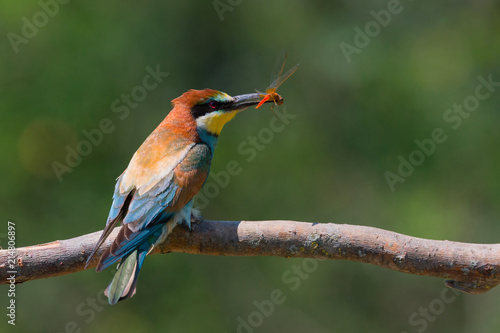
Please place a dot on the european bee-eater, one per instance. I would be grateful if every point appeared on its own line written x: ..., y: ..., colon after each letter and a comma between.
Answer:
x: 155, y: 193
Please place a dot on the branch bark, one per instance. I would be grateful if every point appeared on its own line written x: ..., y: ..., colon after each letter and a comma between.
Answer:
x: 471, y: 268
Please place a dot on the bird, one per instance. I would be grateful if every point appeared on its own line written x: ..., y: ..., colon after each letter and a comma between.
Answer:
x: 155, y: 192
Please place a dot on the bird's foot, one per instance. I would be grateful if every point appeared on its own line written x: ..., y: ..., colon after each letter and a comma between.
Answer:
x: 196, y: 217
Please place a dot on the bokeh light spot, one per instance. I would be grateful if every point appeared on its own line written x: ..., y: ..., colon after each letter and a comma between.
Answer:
x: 42, y: 142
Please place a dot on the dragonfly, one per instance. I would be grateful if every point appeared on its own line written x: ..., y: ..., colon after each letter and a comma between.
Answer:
x: 276, y: 80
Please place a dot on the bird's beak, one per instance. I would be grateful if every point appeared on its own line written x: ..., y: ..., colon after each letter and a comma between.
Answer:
x: 241, y: 102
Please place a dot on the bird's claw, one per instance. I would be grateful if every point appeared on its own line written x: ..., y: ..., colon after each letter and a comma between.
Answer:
x: 196, y: 217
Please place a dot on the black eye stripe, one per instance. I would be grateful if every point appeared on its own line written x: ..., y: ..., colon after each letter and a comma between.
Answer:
x: 200, y: 110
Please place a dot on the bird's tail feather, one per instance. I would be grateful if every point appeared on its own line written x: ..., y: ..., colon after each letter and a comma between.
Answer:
x: 124, y: 282
x: 126, y: 242
x: 109, y: 228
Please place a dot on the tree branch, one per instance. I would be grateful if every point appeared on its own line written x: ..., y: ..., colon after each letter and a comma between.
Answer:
x: 472, y: 268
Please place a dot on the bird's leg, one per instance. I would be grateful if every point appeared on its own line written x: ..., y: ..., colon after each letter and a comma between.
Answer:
x: 196, y: 217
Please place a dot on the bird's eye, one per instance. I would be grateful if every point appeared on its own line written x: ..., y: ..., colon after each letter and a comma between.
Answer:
x: 213, y: 105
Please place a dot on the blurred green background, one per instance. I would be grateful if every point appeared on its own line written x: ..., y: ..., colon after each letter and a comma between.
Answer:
x: 352, y: 122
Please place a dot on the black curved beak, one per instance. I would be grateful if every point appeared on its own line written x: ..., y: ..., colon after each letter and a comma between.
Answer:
x: 241, y: 102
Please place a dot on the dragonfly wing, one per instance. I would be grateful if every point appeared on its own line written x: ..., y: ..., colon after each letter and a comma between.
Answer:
x: 276, y: 83
x: 279, y: 65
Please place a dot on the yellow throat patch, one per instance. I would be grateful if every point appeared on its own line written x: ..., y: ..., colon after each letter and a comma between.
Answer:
x: 215, y: 121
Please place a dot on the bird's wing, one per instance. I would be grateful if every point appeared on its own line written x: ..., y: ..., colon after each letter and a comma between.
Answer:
x: 145, y: 213
x: 155, y: 159
x: 152, y: 165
